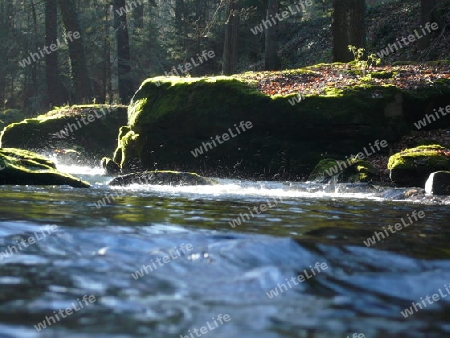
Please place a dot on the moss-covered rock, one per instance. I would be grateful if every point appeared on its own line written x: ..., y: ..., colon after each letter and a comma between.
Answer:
x: 161, y: 178
x: 411, y: 167
x: 89, y: 129
x: 22, y: 167
x: 353, y: 171
x: 170, y: 118
x: 180, y: 123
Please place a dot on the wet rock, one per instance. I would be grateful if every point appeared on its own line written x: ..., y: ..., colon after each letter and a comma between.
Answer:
x: 411, y: 167
x: 350, y: 171
x: 161, y: 178
x: 22, y: 167
x: 111, y: 168
x: 438, y: 183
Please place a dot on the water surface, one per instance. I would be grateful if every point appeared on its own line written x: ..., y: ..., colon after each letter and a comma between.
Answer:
x: 229, y: 270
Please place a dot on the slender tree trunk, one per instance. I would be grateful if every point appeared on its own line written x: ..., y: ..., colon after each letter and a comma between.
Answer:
x: 4, y: 27
x: 179, y: 22
x: 123, y: 54
x: 54, y: 85
x: 427, y: 14
x: 107, y: 86
x: 138, y: 13
x: 271, y: 60
x: 34, y: 66
x: 231, y: 39
x: 348, y: 28
x: 78, y: 65
x: 200, y: 10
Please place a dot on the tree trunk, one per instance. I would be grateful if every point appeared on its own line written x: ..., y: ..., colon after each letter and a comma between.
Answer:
x: 231, y: 39
x: 4, y: 39
x: 200, y: 11
x: 427, y: 14
x: 123, y: 54
x: 107, y: 85
x: 271, y: 60
x: 78, y: 66
x: 138, y: 13
x: 348, y: 28
x: 54, y: 85
x: 180, y: 23
x: 34, y: 65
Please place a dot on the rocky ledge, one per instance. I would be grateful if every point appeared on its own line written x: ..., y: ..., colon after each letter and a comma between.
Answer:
x: 22, y: 167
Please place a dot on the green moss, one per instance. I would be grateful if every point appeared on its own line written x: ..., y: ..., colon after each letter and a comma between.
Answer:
x: 128, y: 146
x: 89, y: 128
x: 430, y: 156
x: 333, y: 92
x: 383, y: 74
x: 357, y: 171
x: 21, y: 167
x: 322, y: 168
x: 20, y: 157
x: 195, y: 95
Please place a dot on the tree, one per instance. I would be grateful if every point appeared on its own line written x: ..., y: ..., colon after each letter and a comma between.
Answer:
x: 348, y: 28
x: 231, y: 38
x: 54, y: 85
x: 123, y: 53
x: 78, y: 67
x: 427, y: 14
x: 271, y: 61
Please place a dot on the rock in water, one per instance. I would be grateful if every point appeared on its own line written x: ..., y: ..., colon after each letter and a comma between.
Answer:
x: 22, y: 167
x: 110, y: 167
x: 161, y: 178
x: 438, y: 183
x: 353, y: 170
x: 411, y: 167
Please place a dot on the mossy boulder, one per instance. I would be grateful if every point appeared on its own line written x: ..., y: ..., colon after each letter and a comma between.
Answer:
x: 22, y: 167
x: 172, y: 124
x: 181, y: 123
x: 91, y: 130
x: 351, y: 171
x: 161, y: 178
x: 412, y: 167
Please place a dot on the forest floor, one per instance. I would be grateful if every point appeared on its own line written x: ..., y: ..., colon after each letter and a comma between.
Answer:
x: 310, y: 42
x: 318, y: 79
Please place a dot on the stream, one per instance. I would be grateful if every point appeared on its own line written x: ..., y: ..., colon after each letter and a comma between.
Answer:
x: 238, y: 259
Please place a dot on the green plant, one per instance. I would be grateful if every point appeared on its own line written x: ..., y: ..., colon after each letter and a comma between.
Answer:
x: 363, y: 65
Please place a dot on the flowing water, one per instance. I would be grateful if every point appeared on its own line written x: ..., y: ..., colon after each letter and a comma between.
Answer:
x: 165, y: 261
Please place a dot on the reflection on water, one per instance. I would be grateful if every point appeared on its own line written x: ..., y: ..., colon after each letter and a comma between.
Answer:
x: 229, y: 271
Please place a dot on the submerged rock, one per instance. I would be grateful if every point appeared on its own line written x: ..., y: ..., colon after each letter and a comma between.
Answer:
x: 411, y: 167
x: 438, y: 183
x: 161, y: 178
x: 22, y: 167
